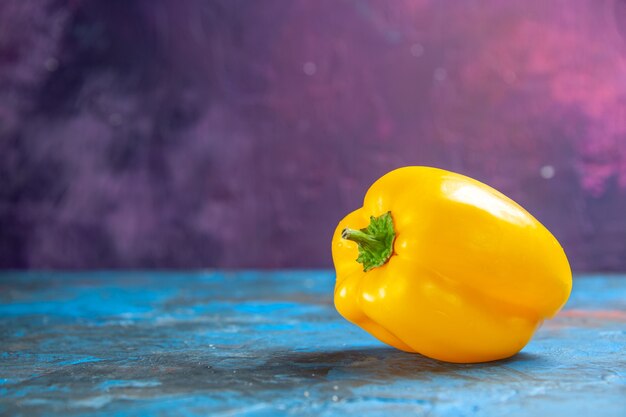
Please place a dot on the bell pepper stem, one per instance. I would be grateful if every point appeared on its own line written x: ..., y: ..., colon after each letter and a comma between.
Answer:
x: 375, y: 242
x: 365, y: 240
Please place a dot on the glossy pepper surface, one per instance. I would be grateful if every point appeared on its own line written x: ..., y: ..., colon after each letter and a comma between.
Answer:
x: 443, y: 265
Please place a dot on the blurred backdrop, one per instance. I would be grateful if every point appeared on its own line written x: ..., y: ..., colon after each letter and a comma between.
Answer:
x: 232, y: 133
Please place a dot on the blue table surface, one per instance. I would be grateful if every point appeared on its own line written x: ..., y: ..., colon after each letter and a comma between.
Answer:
x: 271, y: 343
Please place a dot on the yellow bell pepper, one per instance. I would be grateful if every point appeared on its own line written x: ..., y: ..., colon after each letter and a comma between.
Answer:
x: 443, y: 265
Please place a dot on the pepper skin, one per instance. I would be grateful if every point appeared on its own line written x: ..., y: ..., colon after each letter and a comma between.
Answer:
x: 447, y: 267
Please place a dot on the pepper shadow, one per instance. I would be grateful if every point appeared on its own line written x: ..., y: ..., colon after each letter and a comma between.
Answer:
x: 383, y: 364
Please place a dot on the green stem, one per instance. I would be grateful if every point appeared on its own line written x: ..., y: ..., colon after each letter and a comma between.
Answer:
x: 365, y: 240
x: 375, y: 242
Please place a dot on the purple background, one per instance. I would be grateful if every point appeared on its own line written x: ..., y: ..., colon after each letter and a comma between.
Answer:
x: 237, y: 133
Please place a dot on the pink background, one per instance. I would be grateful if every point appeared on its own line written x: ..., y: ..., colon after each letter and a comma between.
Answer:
x: 187, y: 134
